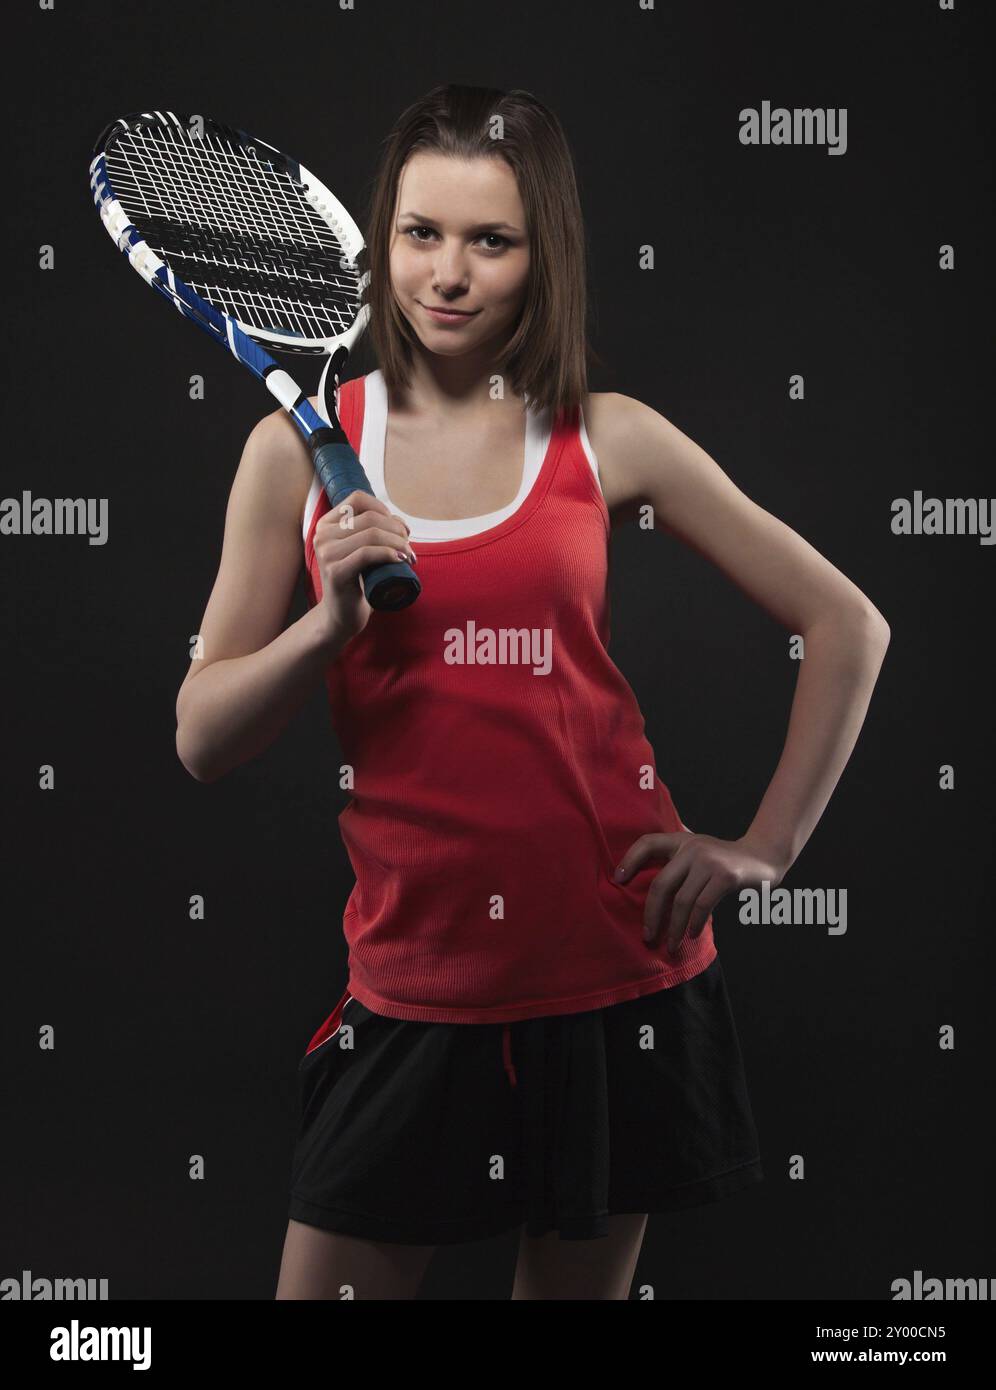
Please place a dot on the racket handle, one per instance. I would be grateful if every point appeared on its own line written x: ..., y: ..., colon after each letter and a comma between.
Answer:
x: 387, y: 587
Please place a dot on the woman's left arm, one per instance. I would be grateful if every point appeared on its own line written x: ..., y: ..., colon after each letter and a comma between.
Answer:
x: 649, y: 460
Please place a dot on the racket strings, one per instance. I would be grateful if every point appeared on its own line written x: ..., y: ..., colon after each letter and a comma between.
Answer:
x: 236, y: 228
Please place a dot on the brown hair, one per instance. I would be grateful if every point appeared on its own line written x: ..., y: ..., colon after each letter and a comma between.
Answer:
x: 548, y: 353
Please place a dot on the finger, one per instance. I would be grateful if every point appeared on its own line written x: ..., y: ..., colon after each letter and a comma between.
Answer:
x: 384, y: 521
x: 363, y: 558
x: 379, y: 535
x: 380, y: 516
x: 697, y: 925
x: 368, y: 524
x: 367, y: 539
x: 354, y: 505
x: 646, y: 850
x: 660, y: 895
x: 344, y: 516
x: 687, y: 907
x: 362, y: 501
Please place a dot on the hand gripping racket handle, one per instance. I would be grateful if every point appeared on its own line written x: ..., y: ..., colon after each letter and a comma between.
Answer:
x: 388, y: 587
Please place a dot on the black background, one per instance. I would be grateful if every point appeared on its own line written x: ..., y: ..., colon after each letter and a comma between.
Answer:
x: 175, y: 1038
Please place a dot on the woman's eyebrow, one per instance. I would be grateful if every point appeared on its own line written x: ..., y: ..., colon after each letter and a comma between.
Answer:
x: 481, y: 226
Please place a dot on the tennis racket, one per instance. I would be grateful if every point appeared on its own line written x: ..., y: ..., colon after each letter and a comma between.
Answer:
x: 251, y: 247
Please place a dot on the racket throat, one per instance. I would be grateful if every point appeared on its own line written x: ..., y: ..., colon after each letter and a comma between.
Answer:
x: 328, y: 434
x: 329, y: 387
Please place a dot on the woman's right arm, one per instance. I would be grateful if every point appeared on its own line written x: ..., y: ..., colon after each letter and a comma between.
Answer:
x: 255, y: 674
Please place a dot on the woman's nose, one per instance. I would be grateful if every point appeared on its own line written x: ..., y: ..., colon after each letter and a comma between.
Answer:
x: 450, y: 272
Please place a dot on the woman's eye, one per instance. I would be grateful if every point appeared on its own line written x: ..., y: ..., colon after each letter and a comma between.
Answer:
x: 414, y: 233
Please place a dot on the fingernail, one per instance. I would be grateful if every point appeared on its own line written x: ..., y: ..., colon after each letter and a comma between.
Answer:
x: 619, y: 873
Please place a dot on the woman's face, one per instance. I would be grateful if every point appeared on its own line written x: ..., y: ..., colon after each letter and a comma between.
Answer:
x: 459, y: 243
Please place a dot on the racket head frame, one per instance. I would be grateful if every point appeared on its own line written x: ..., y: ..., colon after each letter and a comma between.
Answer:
x: 389, y: 586
x: 251, y: 343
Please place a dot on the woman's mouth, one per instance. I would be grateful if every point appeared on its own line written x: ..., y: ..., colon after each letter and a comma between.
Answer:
x: 448, y: 315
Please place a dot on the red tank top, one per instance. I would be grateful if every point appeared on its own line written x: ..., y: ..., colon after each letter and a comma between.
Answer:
x: 500, y: 771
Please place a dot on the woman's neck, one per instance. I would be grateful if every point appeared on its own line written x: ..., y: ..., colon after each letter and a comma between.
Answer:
x: 447, y: 386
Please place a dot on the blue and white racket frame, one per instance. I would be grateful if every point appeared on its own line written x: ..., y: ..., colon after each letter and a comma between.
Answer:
x: 387, y: 587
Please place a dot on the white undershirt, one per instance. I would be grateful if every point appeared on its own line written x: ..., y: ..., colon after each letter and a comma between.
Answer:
x: 538, y: 432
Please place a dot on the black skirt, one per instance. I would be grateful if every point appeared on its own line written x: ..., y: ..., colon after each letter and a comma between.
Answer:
x: 434, y: 1133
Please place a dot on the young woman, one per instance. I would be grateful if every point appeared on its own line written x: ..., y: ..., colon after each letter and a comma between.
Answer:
x: 536, y: 1032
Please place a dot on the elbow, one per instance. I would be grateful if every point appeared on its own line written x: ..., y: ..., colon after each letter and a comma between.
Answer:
x: 854, y: 614
x: 871, y: 628
x: 857, y: 612
x: 876, y: 623
x: 859, y: 625
x: 192, y: 762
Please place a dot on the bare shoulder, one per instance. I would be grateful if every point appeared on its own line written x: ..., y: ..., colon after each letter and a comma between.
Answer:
x: 282, y: 456
x: 622, y: 431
